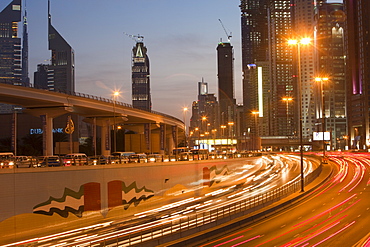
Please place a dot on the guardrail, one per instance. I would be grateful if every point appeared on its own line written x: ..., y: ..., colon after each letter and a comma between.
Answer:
x: 186, y: 225
x: 41, y: 162
x: 111, y: 101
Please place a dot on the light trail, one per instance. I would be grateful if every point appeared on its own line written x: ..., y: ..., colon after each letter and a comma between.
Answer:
x: 332, y: 235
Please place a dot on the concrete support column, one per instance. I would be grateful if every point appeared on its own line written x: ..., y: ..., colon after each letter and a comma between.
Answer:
x: 47, y: 135
x: 105, y: 137
x: 47, y: 115
x: 162, y: 138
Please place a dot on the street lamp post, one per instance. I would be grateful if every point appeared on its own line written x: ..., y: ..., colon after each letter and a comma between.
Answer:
x: 185, y: 109
x: 256, y: 134
x: 214, y: 131
x: 223, y: 127
x: 198, y: 129
x: 323, y: 122
x: 204, y: 119
x: 298, y: 43
x: 115, y: 94
x: 287, y: 100
x: 231, y: 128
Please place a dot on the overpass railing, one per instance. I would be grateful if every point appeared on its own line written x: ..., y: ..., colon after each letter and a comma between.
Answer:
x: 111, y: 101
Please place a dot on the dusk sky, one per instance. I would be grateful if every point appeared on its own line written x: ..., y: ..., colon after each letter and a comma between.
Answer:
x: 181, y: 38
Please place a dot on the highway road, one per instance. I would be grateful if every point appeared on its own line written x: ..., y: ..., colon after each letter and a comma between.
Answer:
x: 335, y: 214
x: 255, y: 177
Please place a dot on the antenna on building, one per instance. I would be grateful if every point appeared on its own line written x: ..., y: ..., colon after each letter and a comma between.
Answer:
x: 229, y: 36
x: 137, y: 38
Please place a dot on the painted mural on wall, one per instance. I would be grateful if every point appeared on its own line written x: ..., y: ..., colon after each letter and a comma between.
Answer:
x: 88, y: 198
x: 213, y: 175
x: 49, y: 201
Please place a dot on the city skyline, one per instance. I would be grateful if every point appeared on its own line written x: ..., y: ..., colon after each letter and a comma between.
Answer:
x: 181, y: 39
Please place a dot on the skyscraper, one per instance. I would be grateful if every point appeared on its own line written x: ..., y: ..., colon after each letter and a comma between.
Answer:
x: 357, y: 50
x: 41, y: 76
x: 302, y: 18
x: 225, y: 73
x: 330, y: 63
x: 281, y: 59
x: 254, y: 28
x: 25, y: 79
x: 141, y: 97
x: 10, y: 44
x: 207, y: 107
x: 62, y: 61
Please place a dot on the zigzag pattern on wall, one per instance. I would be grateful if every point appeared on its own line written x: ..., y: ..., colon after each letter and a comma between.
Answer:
x: 216, y: 174
x: 134, y: 197
x: 63, y: 205
x: 88, y: 198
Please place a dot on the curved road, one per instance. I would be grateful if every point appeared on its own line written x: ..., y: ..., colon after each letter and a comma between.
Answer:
x: 336, y: 214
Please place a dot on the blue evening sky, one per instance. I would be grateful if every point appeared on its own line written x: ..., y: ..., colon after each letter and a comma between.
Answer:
x: 181, y: 38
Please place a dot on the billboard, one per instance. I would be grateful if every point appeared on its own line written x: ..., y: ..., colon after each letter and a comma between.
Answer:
x: 317, y: 136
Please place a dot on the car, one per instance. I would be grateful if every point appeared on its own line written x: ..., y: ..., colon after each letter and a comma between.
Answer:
x: 186, y: 156
x: 24, y: 161
x: 76, y: 159
x: 155, y: 158
x: 7, y: 160
x: 102, y: 160
x: 138, y: 158
x: 48, y: 161
x: 123, y: 157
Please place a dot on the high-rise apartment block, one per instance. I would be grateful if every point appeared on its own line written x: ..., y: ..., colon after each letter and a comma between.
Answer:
x: 357, y: 51
x: 225, y: 73
x: 141, y: 97
x: 62, y: 65
x: 24, y: 78
x: 205, y: 111
x: 254, y: 29
x: 10, y: 44
x: 330, y: 95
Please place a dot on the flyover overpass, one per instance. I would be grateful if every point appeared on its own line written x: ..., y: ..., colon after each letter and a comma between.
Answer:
x: 104, y: 112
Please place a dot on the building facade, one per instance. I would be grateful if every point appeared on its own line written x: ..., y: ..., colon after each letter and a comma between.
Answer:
x: 357, y: 51
x: 330, y: 63
x: 62, y: 67
x: 141, y: 97
x: 10, y: 44
x: 25, y: 79
x: 254, y: 29
x: 225, y: 74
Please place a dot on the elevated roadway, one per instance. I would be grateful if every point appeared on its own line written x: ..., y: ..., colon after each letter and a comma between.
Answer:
x: 48, y: 105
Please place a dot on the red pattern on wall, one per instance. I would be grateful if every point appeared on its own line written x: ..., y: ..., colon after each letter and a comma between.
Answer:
x: 114, y: 194
x: 206, y: 177
x: 92, y: 197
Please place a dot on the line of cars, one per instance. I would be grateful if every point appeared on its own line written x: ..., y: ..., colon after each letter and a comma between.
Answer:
x: 8, y: 160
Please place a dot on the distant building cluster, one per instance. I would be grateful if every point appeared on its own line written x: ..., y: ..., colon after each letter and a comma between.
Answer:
x: 322, y: 83
x: 58, y: 75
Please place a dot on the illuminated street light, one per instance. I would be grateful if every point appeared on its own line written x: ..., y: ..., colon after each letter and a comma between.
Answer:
x: 184, y: 110
x: 115, y: 95
x: 223, y: 127
x: 298, y: 43
x: 322, y: 80
x: 287, y: 100
x: 231, y: 134
x: 255, y: 146
x: 197, y: 129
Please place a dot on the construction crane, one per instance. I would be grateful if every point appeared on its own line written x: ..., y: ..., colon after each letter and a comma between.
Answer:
x: 138, y: 38
x: 229, y: 36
